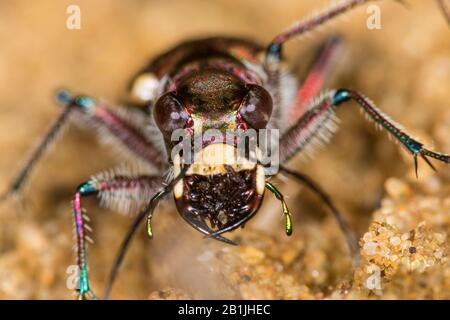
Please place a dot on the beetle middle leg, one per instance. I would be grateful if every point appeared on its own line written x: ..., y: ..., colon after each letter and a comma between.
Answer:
x: 109, y: 123
x: 324, y: 63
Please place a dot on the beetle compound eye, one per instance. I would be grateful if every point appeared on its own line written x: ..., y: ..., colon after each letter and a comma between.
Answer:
x: 170, y: 114
x: 256, y: 107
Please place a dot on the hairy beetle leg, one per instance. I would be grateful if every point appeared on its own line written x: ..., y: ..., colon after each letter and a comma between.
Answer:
x: 110, y: 124
x: 57, y: 126
x: 273, y: 54
x: 108, y: 190
x: 80, y: 230
x: 274, y: 49
x: 324, y: 63
x: 415, y: 147
x: 315, y: 124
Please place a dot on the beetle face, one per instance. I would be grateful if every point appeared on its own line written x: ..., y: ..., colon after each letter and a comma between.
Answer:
x: 221, y: 189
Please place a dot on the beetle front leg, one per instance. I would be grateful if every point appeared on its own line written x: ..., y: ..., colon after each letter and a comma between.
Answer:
x: 110, y: 191
x: 315, y: 124
x: 416, y: 148
x: 84, y: 290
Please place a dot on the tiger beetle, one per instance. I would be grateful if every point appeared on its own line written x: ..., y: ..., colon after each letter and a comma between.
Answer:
x: 218, y: 83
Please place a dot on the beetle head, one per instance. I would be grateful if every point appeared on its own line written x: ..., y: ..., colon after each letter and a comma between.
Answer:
x: 222, y: 188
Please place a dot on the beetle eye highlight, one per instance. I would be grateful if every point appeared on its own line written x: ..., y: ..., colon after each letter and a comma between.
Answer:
x: 170, y: 114
x: 256, y: 107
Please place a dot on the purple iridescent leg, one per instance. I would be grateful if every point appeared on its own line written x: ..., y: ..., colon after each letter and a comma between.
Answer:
x: 127, y: 134
x: 324, y: 62
x: 315, y: 124
x: 274, y: 50
x: 59, y: 124
x: 109, y: 123
x: 109, y: 191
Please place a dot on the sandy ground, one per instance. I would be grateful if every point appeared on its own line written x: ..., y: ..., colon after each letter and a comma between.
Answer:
x: 404, y: 68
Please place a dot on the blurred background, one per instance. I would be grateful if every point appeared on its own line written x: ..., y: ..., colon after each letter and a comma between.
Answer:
x: 404, y: 67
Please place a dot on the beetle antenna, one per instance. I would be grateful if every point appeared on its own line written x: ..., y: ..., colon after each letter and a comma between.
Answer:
x: 146, y: 212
